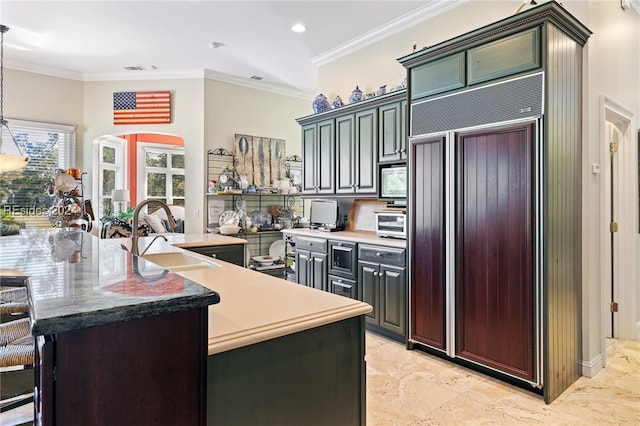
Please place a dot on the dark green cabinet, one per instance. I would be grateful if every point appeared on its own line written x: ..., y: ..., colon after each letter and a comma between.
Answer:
x: 318, y: 157
x: 311, y: 262
x: 346, y: 154
x: 341, y: 148
x: 382, y: 277
x: 312, y: 269
x: 232, y: 253
x: 357, y: 153
x: 392, y: 132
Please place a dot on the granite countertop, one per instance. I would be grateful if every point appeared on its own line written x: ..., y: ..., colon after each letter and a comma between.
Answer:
x: 365, y: 237
x: 76, y: 282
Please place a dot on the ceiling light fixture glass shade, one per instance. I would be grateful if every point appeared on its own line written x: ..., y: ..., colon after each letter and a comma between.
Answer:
x: 11, y: 157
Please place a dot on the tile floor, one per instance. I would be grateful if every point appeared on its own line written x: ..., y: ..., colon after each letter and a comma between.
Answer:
x: 412, y: 388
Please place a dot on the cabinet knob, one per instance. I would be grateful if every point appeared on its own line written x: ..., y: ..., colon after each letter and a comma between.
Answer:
x: 397, y: 151
x: 340, y: 244
x: 378, y: 254
x: 214, y: 255
x: 381, y: 274
x: 375, y: 273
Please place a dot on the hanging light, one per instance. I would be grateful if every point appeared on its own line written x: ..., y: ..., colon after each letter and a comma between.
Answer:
x: 11, y: 157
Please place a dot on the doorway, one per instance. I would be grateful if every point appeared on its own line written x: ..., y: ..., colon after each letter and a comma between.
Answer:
x: 619, y: 226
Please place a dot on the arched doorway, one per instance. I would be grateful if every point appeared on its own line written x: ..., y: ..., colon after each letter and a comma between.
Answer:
x: 138, y: 163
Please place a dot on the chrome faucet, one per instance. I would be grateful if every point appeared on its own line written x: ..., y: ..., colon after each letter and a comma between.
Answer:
x: 134, y: 231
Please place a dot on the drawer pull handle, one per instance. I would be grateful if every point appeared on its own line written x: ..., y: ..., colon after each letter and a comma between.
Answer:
x: 214, y: 255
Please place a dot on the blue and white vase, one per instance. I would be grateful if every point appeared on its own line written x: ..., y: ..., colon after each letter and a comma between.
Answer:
x: 356, y: 95
x: 337, y: 102
x: 320, y: 103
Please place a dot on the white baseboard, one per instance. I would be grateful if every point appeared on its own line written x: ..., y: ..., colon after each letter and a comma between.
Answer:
x: 590, y: 368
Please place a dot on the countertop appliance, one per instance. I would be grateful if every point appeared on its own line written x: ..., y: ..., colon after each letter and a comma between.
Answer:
x: 391, y: 223
x: 325, y: 215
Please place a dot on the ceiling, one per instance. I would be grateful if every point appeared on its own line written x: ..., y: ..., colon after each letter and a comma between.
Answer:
x: 95, y: 40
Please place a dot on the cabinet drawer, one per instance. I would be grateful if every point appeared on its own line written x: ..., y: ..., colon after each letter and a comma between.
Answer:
x: 312, y: 244
x: 382, y: 255
x: 233, y: 253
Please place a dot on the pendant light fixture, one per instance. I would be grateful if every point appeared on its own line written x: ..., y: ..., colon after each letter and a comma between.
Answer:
x: 11, y: 157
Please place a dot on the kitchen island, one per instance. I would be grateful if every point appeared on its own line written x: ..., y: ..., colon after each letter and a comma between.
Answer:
x: 279, y: 352
x: 275, y: 352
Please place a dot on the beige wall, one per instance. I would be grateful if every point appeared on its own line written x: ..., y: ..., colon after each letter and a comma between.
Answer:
x: 612, y: 67
x: 34, y: 96
x: 231, y: 109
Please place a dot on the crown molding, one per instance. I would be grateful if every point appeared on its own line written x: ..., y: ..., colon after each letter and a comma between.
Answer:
x: 265, y: 86
x: 41, y: 69
x: 429, y: 11
x: 160, y: 75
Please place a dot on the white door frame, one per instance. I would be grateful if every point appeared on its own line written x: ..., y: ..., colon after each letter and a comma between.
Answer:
x: 625, y: 180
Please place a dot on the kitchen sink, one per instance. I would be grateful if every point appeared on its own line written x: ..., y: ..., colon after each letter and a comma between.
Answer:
x: 178, y: 262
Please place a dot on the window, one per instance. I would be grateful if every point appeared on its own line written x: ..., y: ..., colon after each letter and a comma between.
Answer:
x: 24, y: 193
x: 163, y: 169
x: 112, y: 165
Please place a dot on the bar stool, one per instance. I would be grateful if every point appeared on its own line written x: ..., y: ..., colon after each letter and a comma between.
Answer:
x: 17, y: 349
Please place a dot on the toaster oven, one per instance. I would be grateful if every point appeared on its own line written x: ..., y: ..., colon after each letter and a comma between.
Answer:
x: 391, y: 223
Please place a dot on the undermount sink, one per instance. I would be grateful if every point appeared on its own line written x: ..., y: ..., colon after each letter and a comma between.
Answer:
x: 178, y: 262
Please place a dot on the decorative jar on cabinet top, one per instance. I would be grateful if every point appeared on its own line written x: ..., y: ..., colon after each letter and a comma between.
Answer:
x: 320, y: 103
x: 356, y: 95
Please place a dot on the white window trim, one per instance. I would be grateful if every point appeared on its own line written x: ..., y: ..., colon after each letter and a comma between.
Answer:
x: 120, y: 167
x: 142, y: 168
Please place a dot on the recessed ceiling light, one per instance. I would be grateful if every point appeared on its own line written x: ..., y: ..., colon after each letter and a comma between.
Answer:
x: 298, y: 28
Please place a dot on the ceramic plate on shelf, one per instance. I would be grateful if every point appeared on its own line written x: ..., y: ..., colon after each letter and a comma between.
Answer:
x: 277, y: 249
x: 229, y: 217
x: 260, y: 219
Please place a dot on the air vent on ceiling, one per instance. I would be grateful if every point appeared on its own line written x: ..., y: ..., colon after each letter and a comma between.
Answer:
x: 141, y: 68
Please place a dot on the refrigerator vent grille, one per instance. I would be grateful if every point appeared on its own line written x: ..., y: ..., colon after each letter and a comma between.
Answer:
x: 510, y: 100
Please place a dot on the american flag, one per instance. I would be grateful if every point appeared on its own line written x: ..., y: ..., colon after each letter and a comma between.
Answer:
x: 142, y: 107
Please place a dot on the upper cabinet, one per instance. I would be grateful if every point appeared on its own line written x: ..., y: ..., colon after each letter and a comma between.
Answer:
x: 341, y: 148
x: 318, y: 157
x: 392, y: 132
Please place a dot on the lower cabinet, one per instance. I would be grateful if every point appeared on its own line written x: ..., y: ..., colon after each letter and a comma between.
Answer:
x: 125, y: 373
x: 311, y: 262
x: 374, y: 274
x: 382, y: 276
x: 311, y: 268
x: 232, y: 253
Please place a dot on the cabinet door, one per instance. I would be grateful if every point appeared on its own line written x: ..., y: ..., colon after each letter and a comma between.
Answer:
x: 325, y: 155
x: 309, y: 136
x: 404, y: 135
x: 345, y: 154
x: 389, y: 146
x: 494, y: 249
x: 427, y: 298
x: 303, y: 259
x: 367, y: 151
x: 393, y: 297
x: 318, y: 273
x: 318, y: 152
x: 368, y: 277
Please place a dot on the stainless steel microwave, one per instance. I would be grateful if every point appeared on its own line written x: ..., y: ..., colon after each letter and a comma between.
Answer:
x: 391, y: 223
